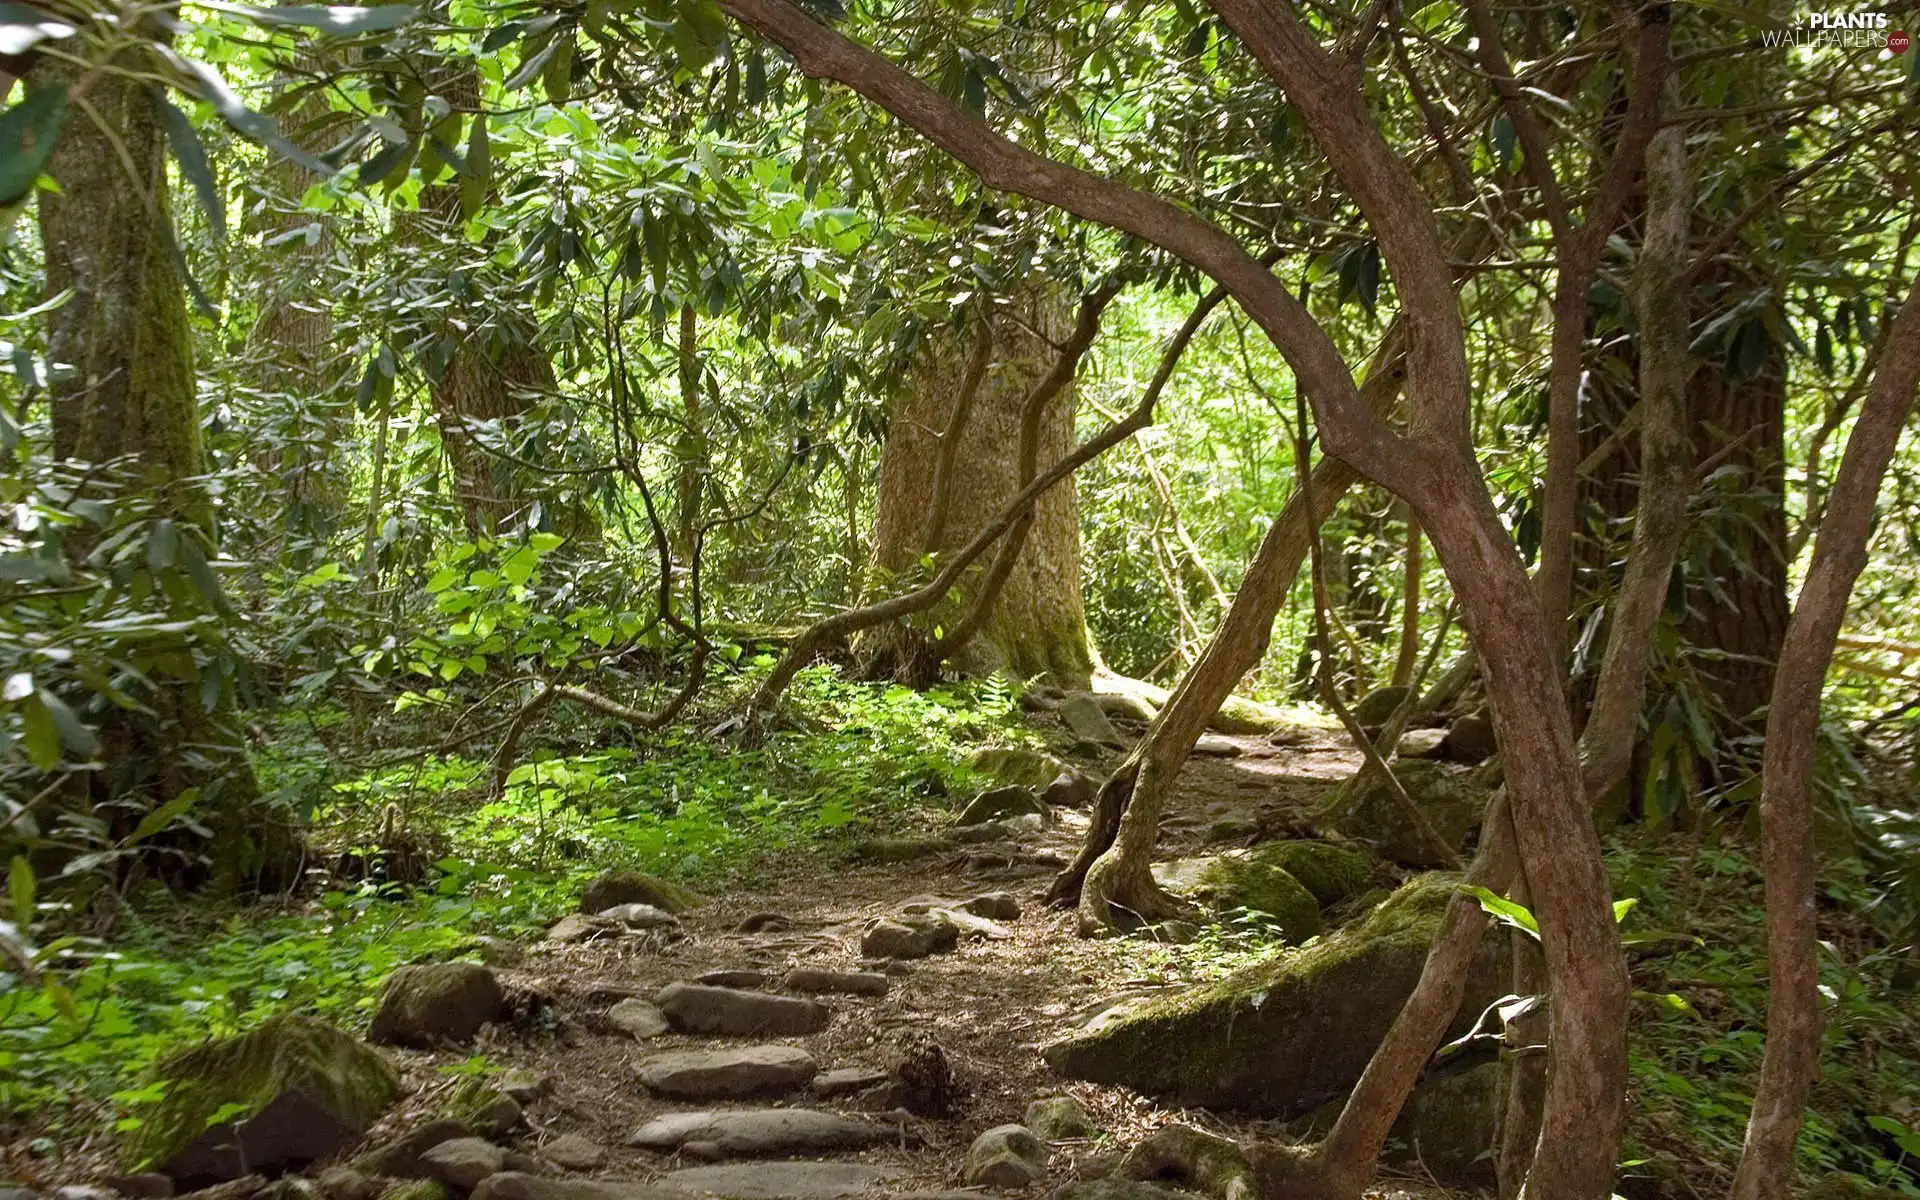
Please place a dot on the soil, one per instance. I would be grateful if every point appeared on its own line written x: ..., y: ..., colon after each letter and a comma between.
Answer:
x: 991, y: 1004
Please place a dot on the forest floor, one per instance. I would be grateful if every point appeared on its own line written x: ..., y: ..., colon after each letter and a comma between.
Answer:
x: 991, y: 1004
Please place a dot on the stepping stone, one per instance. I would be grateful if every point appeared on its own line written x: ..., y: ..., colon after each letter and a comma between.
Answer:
x: 845, y: 1081
x: 747, y: 1132
x: 736, y: 978
x: 463, y: 1162
x: 960, y: 917
x: 638, y: 1018
x: 574, y: 1152
x: 763, y: 922
x: 851, y: 983
x: 518, y: 1185
x: 1010, y: 801
x: 728, y: 1073
x: 575, y: 928
x: 783, y: 1180
x: 1070, y: 789
x: 697, y: 1008
x: 638, y: 916
x: 1215, y: 746
x: 1000, y: 906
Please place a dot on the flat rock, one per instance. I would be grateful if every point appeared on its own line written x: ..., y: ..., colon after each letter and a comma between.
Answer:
x: 998, y: 906
x: 748, y: 1132
x: 574, y: 1152
x: 849, y: 983
x: 1421, y: 743
x: 639, y: 916
x: 575, y: 928
x: 783, y: 1180
x: 728, y: 1073
x: 697, y: 1008
x: 637, y: 1018
x: 518, y: 1185
x: 1214, y: 746
x: 845, y: 1081
x: 764, y: 922
x: 736, y: 977
x: 463, y: 1162
x: 399, y: 1156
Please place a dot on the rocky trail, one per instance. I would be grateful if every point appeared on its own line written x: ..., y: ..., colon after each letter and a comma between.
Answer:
x: 874, y: 1026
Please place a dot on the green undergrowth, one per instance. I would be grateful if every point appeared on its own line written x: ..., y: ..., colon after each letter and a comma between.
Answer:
x: 1700, y: 1018
x: 416, y: 861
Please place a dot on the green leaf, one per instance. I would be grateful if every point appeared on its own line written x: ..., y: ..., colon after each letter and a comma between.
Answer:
x: 27, y: 133
x: 338, y: 20
x: 256, y: 127
x: 699, y: 31
x: 1504, y: 910
x: 194, y: 561
x: 37, y: 733
x: 519, y: 565
x: 159, y: 818
x: 74, y: 735
x: 22, y: 28
x: 192, y: 157
x: 1622, y: 907
x: 20, y: 886
x: 475, y: 181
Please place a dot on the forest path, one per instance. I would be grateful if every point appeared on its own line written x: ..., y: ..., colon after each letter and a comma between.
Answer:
x: 991, y: 1002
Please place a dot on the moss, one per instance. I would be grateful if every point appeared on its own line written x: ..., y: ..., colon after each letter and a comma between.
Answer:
x: 1286, y: 1034
x: 1016, y: 767
x: 220, y: 1082
x: 637, y: 887
x: 1366, y: 810
x: 1332, y: 873
x: 416, y: 1189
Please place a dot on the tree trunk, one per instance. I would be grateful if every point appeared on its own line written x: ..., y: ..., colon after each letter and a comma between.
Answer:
x: 130, y: 396
x: 1037, y: 626
x: 1792, y: 1059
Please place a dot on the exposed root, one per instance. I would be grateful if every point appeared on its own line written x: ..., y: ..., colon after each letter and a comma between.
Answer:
x: 1108, y: 808
x: 1184, y: 1155
x: 1116, y: 899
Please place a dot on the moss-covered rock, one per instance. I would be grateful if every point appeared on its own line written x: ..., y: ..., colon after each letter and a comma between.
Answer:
x: 416, y: 1189
x: 1449, y: 1125
x: 1009, y: 801
x: 1284, y: 1035
x: 429, y: 1003
x: 285, y: 1094
x: 1332, y: 873
x: 1016, y: 766
x: 1377, y: 707
x: 1238, y: 880
x: 1364, y: 808
x: 636, y: 887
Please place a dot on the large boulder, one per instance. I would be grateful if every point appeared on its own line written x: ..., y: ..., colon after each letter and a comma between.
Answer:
x: 636, y: 887
x: 1284, y: 1035
x: 430, y: 1003
x: 1332, y: 873
x: 1237, y: 880
x: 1087, y: 721
x: 288, y: 1093
x: 1364, y: 808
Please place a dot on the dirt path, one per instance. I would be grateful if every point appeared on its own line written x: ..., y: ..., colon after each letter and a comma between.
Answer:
x: 991, y: 1003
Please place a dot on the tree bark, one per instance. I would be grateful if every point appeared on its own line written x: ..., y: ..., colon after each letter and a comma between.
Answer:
x: 1036, y: 624
x: 1434, y: 468
x: 1792, y: 1058
x: 130, y: 396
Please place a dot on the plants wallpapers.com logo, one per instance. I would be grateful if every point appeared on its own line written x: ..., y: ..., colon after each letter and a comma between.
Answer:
x: 1845, y: 30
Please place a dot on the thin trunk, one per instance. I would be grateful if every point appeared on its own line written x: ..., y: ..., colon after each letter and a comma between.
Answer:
x: 1411, y: 565
x: 692, y: 450
x: 1792, y: 1058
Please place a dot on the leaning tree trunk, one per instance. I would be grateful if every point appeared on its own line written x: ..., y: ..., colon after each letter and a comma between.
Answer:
x: 1037, y: 625
x: 108, y: 238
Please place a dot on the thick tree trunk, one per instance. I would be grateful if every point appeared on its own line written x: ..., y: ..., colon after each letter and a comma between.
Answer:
x: 1037, y: 625
x: 108, y: 237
